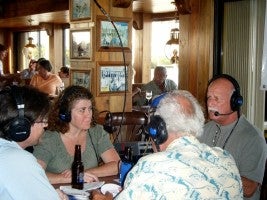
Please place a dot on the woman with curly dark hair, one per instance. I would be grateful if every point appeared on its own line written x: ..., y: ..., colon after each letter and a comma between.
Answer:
x: 73, y: 121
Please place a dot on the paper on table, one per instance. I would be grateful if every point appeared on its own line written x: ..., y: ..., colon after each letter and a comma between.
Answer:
x: 114, y: 189
x: 67, y: 189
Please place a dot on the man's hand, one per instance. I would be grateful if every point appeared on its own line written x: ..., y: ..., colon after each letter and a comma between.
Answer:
x: 97, y: 195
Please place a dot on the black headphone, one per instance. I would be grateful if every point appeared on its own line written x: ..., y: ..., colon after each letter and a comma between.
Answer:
x: 236, y: 100
x: 64, y: 113
x: 157, y: 130
x: 19, y: 128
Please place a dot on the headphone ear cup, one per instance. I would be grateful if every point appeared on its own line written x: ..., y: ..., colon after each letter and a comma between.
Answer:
x: 65, y: 116
x: 18, y: 129
x: 236, y: 101
x: 157, y: 129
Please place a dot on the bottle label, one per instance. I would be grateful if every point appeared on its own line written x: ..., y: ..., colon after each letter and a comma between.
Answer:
x: 80, y: 178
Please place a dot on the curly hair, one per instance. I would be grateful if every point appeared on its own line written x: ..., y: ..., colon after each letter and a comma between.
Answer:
x: 64, y: 103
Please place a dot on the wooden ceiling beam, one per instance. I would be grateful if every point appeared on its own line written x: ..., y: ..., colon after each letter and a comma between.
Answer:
x: 18, y: 8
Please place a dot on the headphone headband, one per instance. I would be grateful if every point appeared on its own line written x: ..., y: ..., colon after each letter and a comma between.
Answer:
x: 229, y: 78
x: 236, y: 100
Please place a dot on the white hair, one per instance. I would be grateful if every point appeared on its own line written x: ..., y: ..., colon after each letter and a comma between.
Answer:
x: 182, y: 113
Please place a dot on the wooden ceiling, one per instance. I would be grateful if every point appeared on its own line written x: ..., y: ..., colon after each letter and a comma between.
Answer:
x: 61, y: 17
x: 153, y: 6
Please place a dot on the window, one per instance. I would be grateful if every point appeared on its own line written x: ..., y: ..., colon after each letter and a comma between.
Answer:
x: 160, y: 35
x: 40, y: 39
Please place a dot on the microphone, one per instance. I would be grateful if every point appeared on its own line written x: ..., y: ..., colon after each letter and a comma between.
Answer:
x: 216, y: 113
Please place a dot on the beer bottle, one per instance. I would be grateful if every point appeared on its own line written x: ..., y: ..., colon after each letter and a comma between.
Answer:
x: 77, y: 169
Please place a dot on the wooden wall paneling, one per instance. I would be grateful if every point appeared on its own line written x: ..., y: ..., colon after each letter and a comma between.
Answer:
x: 7, y: 38
x: 120, y: 12
x: 58, y: 44
x: 138, y: 47
x: 206, y: 33
x: 196, y: 49
x: 112, y: 102
x: 105, y: 4
x: 102, y: 103
x: 184, y: 51
x: 195, y: 22
x: 146, y: 57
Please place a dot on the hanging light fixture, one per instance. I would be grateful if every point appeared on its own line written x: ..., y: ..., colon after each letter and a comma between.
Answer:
x: 30, y: 44
x: 29, y: 49
x: 172, y: 46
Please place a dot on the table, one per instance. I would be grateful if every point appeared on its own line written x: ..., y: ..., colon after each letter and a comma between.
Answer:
x: 107, y: 179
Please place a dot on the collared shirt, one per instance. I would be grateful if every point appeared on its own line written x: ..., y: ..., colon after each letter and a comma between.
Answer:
x: 186, y: 170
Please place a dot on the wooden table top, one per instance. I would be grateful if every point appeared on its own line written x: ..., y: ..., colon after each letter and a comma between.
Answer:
x: 107, y: 179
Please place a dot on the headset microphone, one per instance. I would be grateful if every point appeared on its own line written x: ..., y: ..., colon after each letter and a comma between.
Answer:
x: 216, y: 113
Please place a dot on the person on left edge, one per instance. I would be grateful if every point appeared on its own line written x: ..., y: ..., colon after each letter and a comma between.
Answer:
x: 23, y: 113
x: 182, y: 167
x: 3, y: 54
x: 73, y: 121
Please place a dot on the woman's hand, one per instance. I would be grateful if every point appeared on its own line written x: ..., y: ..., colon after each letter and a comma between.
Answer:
x: 89, y: 177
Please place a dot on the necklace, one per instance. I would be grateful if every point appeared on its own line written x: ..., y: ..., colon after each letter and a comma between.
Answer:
x: 230, y: 134
x: 217, y: 135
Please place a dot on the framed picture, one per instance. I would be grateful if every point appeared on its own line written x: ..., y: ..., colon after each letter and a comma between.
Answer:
x: 81, y: 78
x: 107, y: 36
x: 80, y: 44
x: 80, y: 10
x: 113, y: 77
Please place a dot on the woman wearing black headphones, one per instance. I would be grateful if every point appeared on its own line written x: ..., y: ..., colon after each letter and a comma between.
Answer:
x: 72, y: 121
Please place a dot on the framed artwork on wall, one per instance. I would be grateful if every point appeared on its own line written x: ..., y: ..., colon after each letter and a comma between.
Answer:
x: 81, y: 77
x: 80, y: 44
x: 80, y: 10
x: 113, y: 77
x: 107, y: 36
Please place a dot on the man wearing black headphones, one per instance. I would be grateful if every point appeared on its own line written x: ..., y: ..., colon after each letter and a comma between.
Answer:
x: 182, y: 167
x: 231, y: 131
x: 23, y: 113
